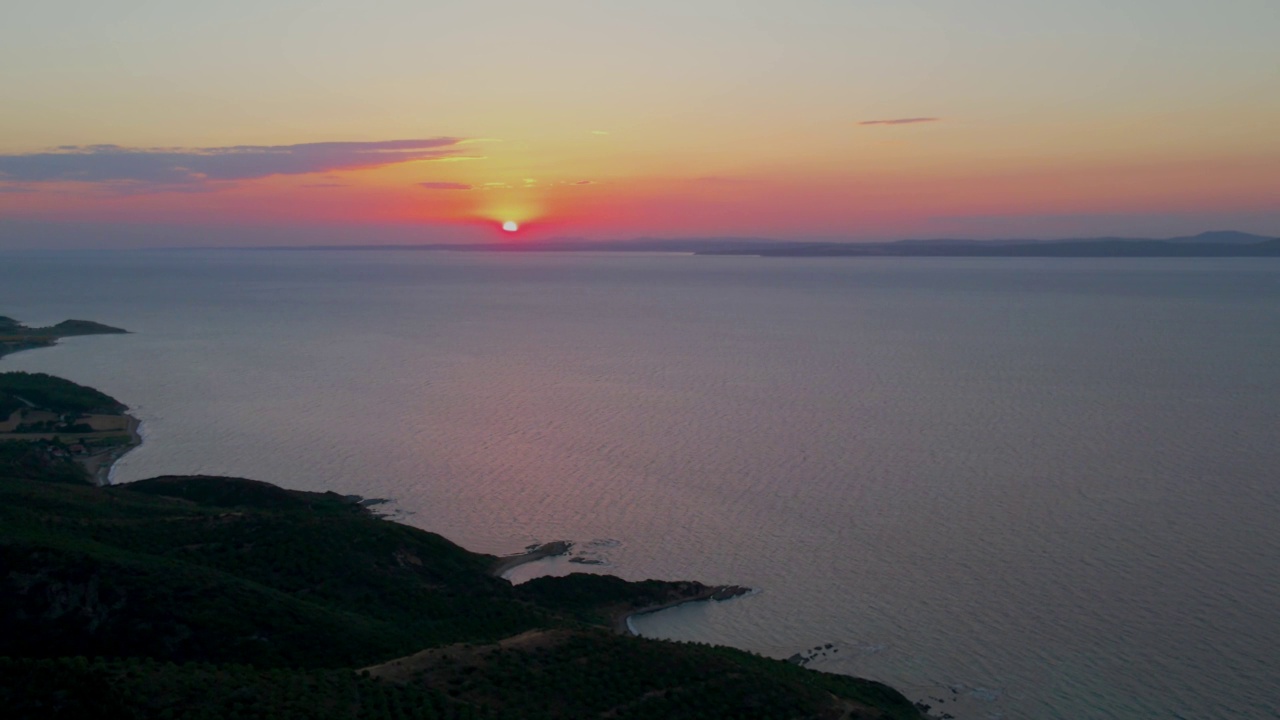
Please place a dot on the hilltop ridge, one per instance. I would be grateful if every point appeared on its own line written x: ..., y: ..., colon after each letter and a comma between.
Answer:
x: 176, y: 580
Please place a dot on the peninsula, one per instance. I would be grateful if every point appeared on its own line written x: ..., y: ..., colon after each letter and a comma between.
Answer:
x: 14, y: 336
x: 49, y: 425
x: 194, y: 596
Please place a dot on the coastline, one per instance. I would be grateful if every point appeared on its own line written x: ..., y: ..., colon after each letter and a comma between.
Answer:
x: 533, y: 553
x: 622, y: 621
x: 99, y: 466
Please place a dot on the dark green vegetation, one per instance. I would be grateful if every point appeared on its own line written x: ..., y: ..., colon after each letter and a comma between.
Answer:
x: 54, y: 429
x: 46, y: 392
x: 603, y: 599
x: 242, y: 572
x: 15, y: 336
x: 66, y: 328
x: 222, y: 597
x: 144, y: 689
x: 34, y: 461
x: 563, y: 673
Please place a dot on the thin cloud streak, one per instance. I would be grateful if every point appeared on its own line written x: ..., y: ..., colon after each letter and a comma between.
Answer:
x: 902, y: 121
x: 444, y: 186
x: 188, y: 166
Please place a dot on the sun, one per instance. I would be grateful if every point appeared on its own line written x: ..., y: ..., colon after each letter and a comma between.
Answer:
x: 511, y: 226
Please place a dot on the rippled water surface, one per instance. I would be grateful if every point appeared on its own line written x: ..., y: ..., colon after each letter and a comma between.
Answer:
x: 1012, y: 488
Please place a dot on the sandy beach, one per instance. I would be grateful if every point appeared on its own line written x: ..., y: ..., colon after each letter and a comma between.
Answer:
x: 99, y: 465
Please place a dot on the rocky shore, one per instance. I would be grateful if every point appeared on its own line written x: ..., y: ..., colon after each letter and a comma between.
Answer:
x: 533, y: 553
x: 694, y: 592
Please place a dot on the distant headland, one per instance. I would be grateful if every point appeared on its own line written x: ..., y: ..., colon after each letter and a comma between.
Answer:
x: 1216, y: 244
x: 1224, y: 244
x: 14, y: 336
x: 53, y: 427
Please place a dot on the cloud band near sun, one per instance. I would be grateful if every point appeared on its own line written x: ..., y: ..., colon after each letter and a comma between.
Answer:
x: 444, y: 186
x: 185, y: 166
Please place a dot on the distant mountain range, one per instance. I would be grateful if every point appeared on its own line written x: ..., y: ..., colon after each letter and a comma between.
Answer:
x: 1224, y: 243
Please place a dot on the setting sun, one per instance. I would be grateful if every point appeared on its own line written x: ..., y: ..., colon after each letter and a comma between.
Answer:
x: 510, y: 226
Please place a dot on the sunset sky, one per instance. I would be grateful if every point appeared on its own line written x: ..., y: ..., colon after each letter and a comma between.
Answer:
x: 279, y: 121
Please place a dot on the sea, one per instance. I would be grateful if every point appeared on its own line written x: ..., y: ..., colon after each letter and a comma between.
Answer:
x: 1011, y: 488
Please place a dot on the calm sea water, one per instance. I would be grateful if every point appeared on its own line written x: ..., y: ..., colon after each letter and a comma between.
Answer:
x: 1011, y: 488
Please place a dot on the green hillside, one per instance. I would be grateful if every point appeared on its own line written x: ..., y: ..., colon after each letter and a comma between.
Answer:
x: 46, y: 392
x: 15, y: 336
x: 281, y: 596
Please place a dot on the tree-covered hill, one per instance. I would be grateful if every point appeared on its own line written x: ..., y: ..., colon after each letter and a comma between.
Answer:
x: 21, y: 459
x: 46, y: 392
x: 224, y: 597
x: 14, y: 336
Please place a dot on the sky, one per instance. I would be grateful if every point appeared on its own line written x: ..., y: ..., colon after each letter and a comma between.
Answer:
x: 136, y: 123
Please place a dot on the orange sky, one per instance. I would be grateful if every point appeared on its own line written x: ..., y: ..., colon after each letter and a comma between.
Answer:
x: 811, y: 119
